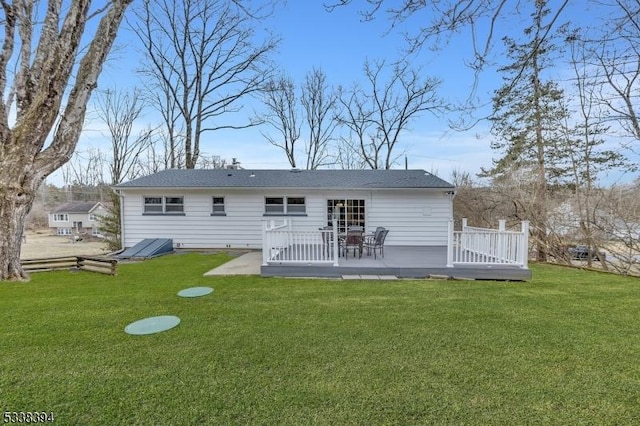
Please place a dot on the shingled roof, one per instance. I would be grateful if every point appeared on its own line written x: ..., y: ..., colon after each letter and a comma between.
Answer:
x: 76, y: 207
x: 320, y: 179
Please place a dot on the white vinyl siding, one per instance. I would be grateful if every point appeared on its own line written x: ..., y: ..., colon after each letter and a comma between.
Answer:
x: 413, y: 217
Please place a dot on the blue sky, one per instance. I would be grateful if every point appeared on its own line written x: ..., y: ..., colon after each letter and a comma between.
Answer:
x: 339, y: 43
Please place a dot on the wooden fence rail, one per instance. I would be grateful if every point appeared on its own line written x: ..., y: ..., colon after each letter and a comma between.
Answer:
x: 84, y: 263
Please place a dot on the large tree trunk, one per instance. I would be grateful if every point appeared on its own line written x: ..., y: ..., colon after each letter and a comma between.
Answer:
x: 14, y: 207
x: 17, y: 192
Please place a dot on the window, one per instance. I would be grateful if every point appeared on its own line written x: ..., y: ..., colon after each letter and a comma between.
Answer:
x: 285, y: 206
x: 60, y: 217
x: 218, y: 206
x: 296, y: 205
x: 95, y: 232
x: 63, y: 231
x: 153, y: 204
x: 173, y: 204
x: 93, y: 217
x: 162, y: 205
x: 274, y: 205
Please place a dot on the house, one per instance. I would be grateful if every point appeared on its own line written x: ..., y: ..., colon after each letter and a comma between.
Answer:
x: 252, y: 209
x: 226, y: 208
x: 75, y: 217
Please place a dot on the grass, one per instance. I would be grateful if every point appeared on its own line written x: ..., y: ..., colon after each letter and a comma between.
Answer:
x: 563, y: 348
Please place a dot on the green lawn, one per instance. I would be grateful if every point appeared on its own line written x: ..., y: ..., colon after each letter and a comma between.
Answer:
x: 563, y: 348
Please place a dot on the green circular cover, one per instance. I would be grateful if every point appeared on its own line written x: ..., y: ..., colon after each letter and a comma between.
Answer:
x: 152, y: 325
x: 195, y: 291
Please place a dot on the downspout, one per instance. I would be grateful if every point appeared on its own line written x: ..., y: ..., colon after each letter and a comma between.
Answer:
x: 121, y: 218
x: 450, y: 233
x: 121, y: 197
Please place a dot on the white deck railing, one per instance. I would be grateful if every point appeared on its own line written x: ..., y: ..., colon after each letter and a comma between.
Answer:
x: 481, y: 246
x: 281, y: 244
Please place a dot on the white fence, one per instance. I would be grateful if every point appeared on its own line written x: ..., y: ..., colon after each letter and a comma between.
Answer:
x: 481, y: 246
x: 281, y: 244
x: 470, y: 246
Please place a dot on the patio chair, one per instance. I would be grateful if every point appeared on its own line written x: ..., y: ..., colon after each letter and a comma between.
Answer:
x: 353, y: 240
x: 376, y: 242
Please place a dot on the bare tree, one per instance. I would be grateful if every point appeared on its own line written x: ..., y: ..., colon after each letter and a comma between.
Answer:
x: 376, y: 117
x: 617, y: 220
x: 159, y: 95
x: 588, y: 159
x: 320, y: 103
x: 347, y: 158
x: 85, y: 168
x: 315, y: 107
x: 283, y: 116
x: 441, y: 19
x: 203, y: 55
x: 214, y: 162
x: 119, y: 111
x: 618, y: 56
x: 44, y: 52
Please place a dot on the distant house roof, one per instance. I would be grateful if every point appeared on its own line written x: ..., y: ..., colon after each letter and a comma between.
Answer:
x: 77, y: 207
x: 329, y: 179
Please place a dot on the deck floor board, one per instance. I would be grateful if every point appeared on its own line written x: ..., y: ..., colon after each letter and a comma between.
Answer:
x: 399, y: 261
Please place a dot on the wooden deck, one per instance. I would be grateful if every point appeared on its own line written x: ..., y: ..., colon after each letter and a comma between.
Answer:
x: 401, y: 262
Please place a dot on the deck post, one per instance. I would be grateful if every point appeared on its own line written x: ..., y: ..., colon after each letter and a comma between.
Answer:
x: 450, y: 242
x: 334, y: 239
x: 465, y: 222
x: 501, y: 249
x: 524, y: 252
x: 265, y: 246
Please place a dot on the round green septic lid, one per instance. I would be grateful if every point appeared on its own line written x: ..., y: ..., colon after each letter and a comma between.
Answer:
x: 152, y: 325
x: 195, y: 291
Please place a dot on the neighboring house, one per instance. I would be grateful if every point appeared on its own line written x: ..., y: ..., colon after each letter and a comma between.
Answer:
x: 227, y: 208
x: 75, y: 217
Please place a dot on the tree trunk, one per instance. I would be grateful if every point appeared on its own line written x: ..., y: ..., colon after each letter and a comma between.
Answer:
x: 15, y: 204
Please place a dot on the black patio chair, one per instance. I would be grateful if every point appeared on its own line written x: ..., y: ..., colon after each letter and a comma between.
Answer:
x: 353, y: 240
x: 376, y: 242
